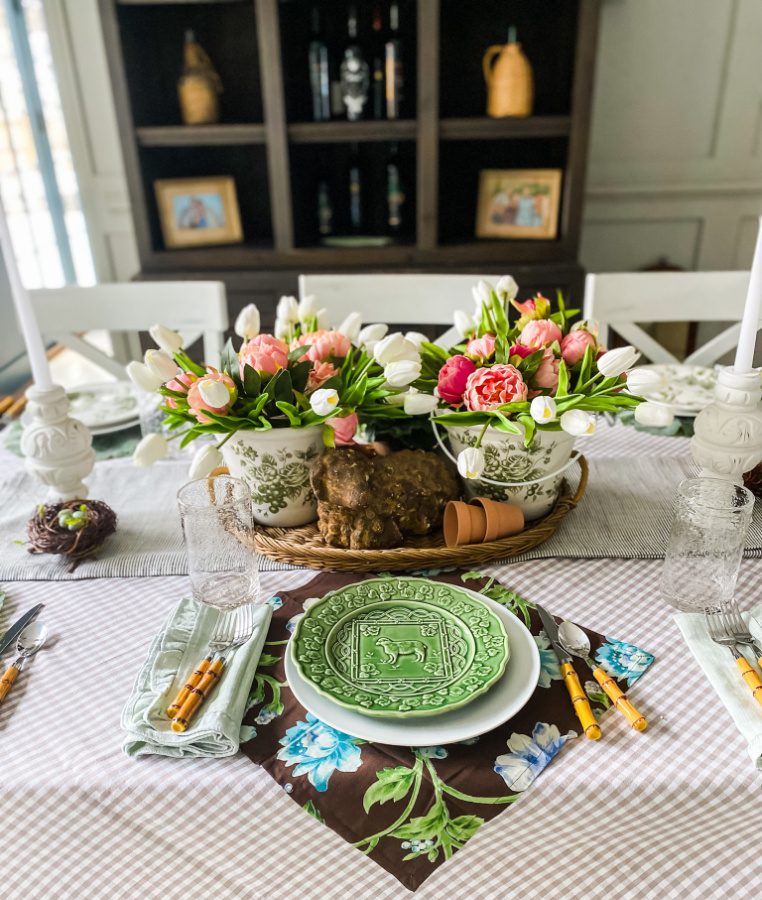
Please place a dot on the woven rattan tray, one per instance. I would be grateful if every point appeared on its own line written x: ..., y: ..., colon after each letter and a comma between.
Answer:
x: 305, y: 547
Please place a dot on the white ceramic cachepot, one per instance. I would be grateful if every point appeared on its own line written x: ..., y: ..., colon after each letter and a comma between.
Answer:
x: 276, y: 466
x: 508, y: 460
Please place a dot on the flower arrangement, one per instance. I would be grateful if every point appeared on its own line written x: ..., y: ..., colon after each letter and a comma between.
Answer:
x: 305, y: 374
x: 541, y: 372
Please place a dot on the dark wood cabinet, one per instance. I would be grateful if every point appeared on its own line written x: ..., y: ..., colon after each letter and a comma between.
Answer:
x: 267, y: 142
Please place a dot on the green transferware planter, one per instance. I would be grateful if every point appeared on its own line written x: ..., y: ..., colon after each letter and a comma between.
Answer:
x: 397, y: 647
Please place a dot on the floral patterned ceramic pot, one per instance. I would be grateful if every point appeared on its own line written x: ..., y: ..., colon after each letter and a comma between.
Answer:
x: 508, y: 460
x: 276, y: 466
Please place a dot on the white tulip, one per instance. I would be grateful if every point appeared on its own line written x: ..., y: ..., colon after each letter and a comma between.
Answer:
x: 324, y: 401
x: 393, y: 348
x: 644, y: 381
x: 577, y: 422
x: 282, y: 329
x: 482, y: 294
x: 401, y: 372
x: 213, y: 393
x: 543, y: 409
x: 288, y: 310
x: 151, y: 449
x: 371, y: 334
x: 419, y: 404
x: 322, y: 318
x: 654, y: 415
x: 307, y: 307
x: 397, y: 399
x: 416, y: 338
x: 169, y: 341
x: 351, y: 326
x: 506, y: 288
x: 143, y: 377
x: 471, y: 462
x: 205, y: 460
x: 614, y: 362
x: 464, y: 323
x: 247, y: 322
x: 160, y: 364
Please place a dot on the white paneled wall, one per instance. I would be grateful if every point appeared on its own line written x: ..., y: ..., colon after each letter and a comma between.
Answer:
x: 676, y: 144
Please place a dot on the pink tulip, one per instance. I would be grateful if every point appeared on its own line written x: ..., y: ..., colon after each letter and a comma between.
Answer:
x: 264, y: 353
x: 574, y: 345
x: 324, y: 345
x: 452, y: 378
x: 520, y: 350
x: 481, y: 348
x: 180, y: 385
x: 491, y: 387
x: 546, y: 375
x: 345, y: 428
x: 319, y: 374
x: 539, y: 333
x: 197, y: 404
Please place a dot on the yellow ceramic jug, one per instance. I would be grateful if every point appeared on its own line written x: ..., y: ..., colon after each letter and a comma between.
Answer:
x: 509, y: 79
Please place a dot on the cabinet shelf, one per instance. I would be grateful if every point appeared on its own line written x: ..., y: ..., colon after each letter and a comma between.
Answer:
x: 485, y: 128
x: 352, y: 132
x: 199, y: 135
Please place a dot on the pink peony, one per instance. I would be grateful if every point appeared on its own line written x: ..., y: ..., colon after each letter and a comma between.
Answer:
x: 452, y: 378
x: 520, y: 350
x: 264, y: 353
x: 196, y: 403
x: 573, y: 346
x: 546, y: 375
x: 345, y: 428
x: 481, y: 348
x: 325, y: 344
x: 319, y: 374
x: 180, y: 384
x: 539, y: 333
x: 491, y: 387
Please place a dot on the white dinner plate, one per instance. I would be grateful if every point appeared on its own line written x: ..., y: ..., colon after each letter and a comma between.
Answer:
x: 105, y: 404
x: 112, y: 429
x: 486, y: 712
x: 688, y: 389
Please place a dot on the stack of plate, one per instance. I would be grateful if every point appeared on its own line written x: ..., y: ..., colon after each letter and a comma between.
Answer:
x: 685, y: 389
x: 105, y: 407
x: 411, y: 662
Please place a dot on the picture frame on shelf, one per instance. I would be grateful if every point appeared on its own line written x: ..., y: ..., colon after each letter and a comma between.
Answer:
x: 518, y: 203
x: 198, y: 212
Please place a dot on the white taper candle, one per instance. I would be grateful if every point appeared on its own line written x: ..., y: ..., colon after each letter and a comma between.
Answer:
x: 30, y: 330
x: 747, y: 339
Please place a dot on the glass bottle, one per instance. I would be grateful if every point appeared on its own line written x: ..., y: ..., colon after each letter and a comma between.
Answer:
x: 355, y: 72
x: 320, y: 83
x: 394, y: 70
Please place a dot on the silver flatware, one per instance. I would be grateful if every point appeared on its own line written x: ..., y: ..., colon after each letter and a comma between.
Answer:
x: 574, y: 639
x: 29, y: 642
x: 735, y: 626
x: 715, y: 625
x: 578, y: 697
x: 18, y: 626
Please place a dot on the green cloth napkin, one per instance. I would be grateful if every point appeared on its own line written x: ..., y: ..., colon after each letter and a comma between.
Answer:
x: 173, y: 656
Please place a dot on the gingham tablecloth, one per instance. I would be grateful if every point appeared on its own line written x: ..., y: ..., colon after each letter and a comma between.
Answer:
x: 671, y: 813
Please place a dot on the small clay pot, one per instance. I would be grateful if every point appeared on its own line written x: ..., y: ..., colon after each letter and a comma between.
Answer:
x: 502, y: 519
x: 463, y: 524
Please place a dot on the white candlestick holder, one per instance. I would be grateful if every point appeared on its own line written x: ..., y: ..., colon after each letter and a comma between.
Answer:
x: 727, y: 438
x: 57, y: 448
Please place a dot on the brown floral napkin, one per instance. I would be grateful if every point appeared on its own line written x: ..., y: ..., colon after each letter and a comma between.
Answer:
x: 411, y: 809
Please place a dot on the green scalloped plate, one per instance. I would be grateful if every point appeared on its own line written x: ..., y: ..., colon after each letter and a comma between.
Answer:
x: 400, y: 647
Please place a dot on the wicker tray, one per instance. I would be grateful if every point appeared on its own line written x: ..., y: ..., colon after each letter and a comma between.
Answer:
x: 305, y: 547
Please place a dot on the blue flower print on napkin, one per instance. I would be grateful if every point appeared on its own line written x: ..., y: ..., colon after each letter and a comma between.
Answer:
x: 530, y: 755
x: 275, y: 602
x: 623, y: 660
x: 318, y: 751
x: 550, y: 668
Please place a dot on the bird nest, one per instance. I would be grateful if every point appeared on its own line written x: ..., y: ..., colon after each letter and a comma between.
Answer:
x: 91, y: 522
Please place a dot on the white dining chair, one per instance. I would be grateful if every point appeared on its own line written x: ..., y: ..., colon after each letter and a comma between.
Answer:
x: 194, y: 308
x: 619, y: 301
x: 404, y: 299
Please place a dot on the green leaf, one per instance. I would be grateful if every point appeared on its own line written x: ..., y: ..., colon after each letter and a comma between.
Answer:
x: 298, y: 352
x: 585, y: 368
x: 329, y: 437
x: 229, y: 358
x: 290, y: 411
x: 252, y: 381
x: 299, y: 374
x: 435, y: 351
x: 505, y: 425
x: 530, y: 427
x: 464, y: 827
x: 531, y: 364
x: 391, y: 784
x: 422, y: 828
x: 334, y: 383
x: 267, y: 659
x: 563, y: 379
x: 310, y: 808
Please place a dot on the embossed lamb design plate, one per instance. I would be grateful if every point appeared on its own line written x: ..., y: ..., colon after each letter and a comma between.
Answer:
x: 398, y: 647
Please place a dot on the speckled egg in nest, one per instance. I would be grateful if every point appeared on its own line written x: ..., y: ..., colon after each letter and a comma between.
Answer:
x: 72, y: 528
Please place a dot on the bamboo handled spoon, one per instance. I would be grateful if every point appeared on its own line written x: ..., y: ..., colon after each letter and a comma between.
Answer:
x: 30, y: 641
x: 576, y: 642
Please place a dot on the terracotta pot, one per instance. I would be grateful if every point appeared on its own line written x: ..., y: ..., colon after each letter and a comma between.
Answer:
x: 463, y: 524
x: 502, y: 519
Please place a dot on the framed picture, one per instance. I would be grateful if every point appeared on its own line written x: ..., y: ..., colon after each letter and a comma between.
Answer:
x: 518, y: 203
x: 196, y: 212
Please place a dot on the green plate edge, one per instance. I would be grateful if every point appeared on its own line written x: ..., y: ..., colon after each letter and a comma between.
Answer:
x: 386, y: 714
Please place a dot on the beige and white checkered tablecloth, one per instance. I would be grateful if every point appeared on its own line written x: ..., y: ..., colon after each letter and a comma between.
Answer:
x: 671, y: 813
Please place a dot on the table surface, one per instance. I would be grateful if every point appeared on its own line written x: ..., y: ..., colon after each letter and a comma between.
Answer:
x: 670, y: 813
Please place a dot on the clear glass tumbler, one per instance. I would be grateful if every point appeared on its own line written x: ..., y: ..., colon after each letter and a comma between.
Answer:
x: 217, y: 526
x: 711, y: 519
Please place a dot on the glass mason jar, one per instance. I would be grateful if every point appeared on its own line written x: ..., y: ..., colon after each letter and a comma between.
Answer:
x: 711, y: 519
x: 217, y: 527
